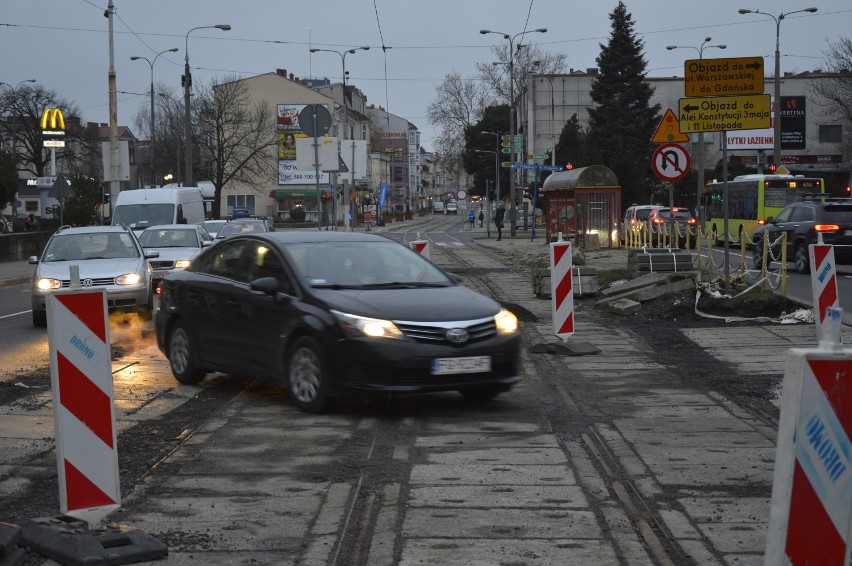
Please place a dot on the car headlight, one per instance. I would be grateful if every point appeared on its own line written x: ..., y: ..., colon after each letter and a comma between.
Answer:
x: 128, y: 279
x: 48, y: 284
x: 182, y: 264
x: 507, y: 323
x: 355, y: 326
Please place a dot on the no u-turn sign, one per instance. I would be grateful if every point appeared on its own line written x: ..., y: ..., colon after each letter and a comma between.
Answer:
x: 671, y: 162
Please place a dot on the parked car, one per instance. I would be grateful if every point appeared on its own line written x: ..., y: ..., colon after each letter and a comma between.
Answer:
x: 635, y: 220
x: 213, y: 226
x: 804, y: 222
x: 334, y: 314
x: 245, y: 226
x: 176, y: 244
x: 108, y: 257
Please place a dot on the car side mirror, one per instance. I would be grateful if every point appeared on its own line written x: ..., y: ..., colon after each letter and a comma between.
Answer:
x: 205, y: 243
x: 770, y: 220
x: 265, y: 285
x: 151, y: 255
x: 33, y: 259
x: 181, y: 220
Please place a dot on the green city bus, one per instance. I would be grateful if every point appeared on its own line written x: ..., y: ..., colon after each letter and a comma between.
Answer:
x: 752, y: 200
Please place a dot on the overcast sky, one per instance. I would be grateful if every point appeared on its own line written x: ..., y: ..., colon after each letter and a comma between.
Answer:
x: 64, y: 44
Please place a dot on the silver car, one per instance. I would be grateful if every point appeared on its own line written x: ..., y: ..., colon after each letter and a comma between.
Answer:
x: 176, y: 244
x: 108, y: 257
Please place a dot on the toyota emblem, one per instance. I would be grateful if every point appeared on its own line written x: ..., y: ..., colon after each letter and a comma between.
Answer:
x: 86, y: 282
x: 457, y: 335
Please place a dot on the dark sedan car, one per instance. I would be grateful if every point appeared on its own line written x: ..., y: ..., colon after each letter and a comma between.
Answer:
x: 334, y: 314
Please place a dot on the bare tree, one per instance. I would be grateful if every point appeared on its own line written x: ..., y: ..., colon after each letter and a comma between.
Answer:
x: 836, y: 89
x: 458, y: 105
x: 528, y: 59
x: 21, y: 109
x: 237, y: 138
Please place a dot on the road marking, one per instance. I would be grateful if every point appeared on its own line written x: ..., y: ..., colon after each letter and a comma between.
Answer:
x: 14, y: 314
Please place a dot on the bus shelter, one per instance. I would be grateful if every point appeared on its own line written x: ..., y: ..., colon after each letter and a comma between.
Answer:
x: 583, y: 204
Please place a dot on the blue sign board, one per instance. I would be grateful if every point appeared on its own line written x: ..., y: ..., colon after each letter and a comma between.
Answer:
x: 383, y: 194
x: 536, y: 167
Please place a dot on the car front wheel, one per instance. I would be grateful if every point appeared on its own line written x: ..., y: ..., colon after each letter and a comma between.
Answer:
x: 39, y: 318
x: 306, y: 376
x: 801, y: 259
x: 182, y: 356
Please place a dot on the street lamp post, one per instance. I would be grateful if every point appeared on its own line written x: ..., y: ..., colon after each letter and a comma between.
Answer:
x: 776, y: 142
x: 342, y: 55
x: 153, y: 137
x: 699, y: 148
x: 511, y: 38
x: 186, y: 83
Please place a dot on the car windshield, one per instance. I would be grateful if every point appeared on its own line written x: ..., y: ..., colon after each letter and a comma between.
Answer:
x: 168, y: 238
x: 143, y: 215
x: 232, y: 228
x: 76, y: 247
x: 361, y: 265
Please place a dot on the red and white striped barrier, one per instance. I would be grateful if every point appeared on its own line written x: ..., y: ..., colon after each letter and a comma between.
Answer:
x: 81, y: 379
x: 421, y: 247
x: 561, y: 289
x: 823, y: 283
x: 810, y: 520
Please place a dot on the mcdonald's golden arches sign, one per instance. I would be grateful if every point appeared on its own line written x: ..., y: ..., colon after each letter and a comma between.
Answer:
x: 52, y: 121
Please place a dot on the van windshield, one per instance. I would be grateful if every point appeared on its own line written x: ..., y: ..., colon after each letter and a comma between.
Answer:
x: 143, y: 215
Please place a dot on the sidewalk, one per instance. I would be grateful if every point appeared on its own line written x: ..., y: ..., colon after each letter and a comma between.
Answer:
x: 15, y: 272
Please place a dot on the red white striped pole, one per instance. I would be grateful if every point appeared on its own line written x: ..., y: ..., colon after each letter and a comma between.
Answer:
x: 561, y: 289
x: 824, y: 285
x: 420, y: 246
x: 81, y: 379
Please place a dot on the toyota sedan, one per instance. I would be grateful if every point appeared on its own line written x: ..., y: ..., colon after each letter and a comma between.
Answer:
x: 334, y: 314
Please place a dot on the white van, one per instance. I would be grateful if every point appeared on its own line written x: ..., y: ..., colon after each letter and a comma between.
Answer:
x: 438, y: 206
x: 141, y: 208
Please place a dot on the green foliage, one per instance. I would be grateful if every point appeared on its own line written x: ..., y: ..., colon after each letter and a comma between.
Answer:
x: 481, y: 165
x: 8, y: 178
x: 80, y: 208
x: 622, y: 122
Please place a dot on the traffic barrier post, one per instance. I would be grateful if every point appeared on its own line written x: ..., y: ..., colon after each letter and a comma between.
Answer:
x: 810, y: 518
x: 420, y: 246
x: 823, y: 284
x: 561, y: 288
x: 81, y: 380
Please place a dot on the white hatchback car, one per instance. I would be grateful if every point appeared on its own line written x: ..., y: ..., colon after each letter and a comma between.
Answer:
x: 108, y: 257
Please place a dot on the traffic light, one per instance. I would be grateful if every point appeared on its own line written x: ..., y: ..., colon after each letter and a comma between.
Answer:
x: 569, y: 166
x: 773, y: 168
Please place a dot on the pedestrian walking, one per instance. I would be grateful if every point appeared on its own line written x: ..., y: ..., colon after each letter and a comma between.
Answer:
x: 498, y: 221
x: 481, y: 217
x: 471, y: 217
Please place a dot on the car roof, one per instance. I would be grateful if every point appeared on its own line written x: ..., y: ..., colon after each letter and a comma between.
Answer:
x: 172, y: 227
x: 91, y: 229
x: 310, y: 236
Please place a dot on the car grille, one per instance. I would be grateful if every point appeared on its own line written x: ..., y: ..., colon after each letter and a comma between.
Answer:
x: 162, y: 264
x: 437, y: 334
x: 97, y: 282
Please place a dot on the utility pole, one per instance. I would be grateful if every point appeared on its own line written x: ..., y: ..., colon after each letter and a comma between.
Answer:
x: 114, y: 183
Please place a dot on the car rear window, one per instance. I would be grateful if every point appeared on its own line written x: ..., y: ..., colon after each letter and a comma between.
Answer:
x: 681, y: 213
x: 839, y: 212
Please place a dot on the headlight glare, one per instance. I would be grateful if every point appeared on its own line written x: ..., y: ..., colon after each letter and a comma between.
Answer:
x: 128, y: 279
x: 356, y: 326
x: 507, y: 323
x: 47, y: 284
x: 182, y: 263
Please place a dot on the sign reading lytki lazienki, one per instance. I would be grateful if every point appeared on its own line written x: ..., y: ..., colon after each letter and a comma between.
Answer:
x: 722, y: 113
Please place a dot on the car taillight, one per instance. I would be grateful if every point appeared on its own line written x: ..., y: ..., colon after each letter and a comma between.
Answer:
x: 691, y: 221
x: 761, y: 222
x: 826, y: 227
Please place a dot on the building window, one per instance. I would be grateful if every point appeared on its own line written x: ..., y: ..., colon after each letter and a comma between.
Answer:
x: 397, y: 174
x: 31, y: 205
x: 242, y: 201
x: 831, y: 133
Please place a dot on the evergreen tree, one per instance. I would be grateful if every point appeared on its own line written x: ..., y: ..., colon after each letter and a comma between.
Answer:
x: 622, y: 122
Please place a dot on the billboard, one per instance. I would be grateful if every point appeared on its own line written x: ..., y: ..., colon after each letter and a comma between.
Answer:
x: 289, y: 132
x: 792, y: 129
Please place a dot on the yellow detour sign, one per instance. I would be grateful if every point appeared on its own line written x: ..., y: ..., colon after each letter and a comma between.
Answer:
x: 723, y: 77
x: 669, y: 131
x: 724, y: 113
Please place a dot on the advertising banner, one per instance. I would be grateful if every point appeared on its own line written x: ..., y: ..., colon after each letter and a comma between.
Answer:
x: 792, y: 129
x: 289, y: 133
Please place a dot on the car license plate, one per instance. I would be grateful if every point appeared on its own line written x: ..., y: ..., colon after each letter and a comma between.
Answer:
x: 160, y: 274
x: 473, y: 364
